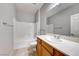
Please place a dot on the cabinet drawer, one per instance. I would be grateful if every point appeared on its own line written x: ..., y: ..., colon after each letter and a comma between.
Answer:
x: 48, y: 47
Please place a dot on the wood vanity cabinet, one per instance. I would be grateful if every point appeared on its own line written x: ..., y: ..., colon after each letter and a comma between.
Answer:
x: 58, y: 53
x: 44, y: 49
x: 39, y: 47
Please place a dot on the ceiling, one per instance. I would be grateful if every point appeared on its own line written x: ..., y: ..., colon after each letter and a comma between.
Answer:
x: 30, y: 8
x: 25, y: 12
x: 59, y: 8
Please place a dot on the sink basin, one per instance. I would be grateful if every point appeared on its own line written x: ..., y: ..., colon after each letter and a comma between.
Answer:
x: 52, y: 39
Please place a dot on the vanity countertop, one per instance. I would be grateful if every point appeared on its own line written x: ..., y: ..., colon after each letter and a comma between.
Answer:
x: 67, y: 47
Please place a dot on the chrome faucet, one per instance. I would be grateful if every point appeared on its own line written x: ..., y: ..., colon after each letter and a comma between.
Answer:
x: 57, y: 36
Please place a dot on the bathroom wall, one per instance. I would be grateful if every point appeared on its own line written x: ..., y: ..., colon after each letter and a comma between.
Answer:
x: 25, y: 17
x: 43, y: 18
x: 40, y: 20
x: 24, y: 27
x: 24, y: 32
x: 61, y: 20
x: 7, y: 15
x: 37, y: 23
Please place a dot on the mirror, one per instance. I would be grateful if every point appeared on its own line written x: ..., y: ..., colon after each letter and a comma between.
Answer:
x: 63, y: 19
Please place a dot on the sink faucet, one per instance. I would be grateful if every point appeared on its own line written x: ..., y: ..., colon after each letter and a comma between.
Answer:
x: 57, y: 36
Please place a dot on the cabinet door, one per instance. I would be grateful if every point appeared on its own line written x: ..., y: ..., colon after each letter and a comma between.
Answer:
x: 47, y: 47
x: 57, y: 53
x: 38, y: 49
x: 45, y: 52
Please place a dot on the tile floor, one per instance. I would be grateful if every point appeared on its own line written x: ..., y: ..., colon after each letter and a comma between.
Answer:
x: 24, y: 52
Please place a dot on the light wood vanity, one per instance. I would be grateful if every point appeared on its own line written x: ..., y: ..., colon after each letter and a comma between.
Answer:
x: 44, y: 49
